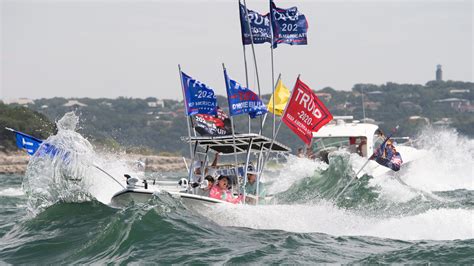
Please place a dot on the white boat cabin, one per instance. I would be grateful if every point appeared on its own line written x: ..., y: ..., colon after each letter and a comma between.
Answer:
x: 356, y: 137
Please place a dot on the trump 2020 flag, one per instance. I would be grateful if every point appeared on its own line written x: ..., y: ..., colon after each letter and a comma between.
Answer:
x: 289, y: 26
x: 305, y: 113
x: 200, y: 98
x: 260, y: 24
x: 242, y: 100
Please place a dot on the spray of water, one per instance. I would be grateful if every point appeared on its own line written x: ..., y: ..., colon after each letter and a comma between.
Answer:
x: 69, y: 174
x: 395, y: 211
x: 324, y: 217
x: 299, y: 169
x: 447, y: 165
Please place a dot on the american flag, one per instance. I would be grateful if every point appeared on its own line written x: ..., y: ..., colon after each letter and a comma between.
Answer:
x: 396, y: 159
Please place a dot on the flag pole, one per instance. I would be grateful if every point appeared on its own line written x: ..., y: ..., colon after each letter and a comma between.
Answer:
x: 254, y: 57
x: 273, y: 104
x: 246, y: 73
x: 188, y: 118
x: 264, y: 118
x: 227, y: 85
x: 273, y: 70
x: 273, y: 92
x: 267, y: 156
x: 246, y: 82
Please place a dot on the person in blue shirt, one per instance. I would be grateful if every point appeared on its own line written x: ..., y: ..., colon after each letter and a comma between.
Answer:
x: 388, y: 156
x: 251, y: 188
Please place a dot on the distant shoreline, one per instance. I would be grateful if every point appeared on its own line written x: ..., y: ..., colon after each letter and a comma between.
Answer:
x: 13, y: 162
x: 16, y: 162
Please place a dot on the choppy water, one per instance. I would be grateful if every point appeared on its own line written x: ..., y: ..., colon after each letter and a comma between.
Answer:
x: 44, y: 219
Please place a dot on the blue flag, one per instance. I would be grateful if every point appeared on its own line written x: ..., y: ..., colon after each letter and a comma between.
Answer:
x: 32, y: 145
x: 26, y: 142
x: 289, y: 26
x: 200, y: 99
x: 260, y: 24
x: 242, y: 100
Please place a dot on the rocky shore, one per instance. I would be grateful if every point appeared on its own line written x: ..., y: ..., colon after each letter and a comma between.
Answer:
x: 13, y: 162
x: 16, y: 162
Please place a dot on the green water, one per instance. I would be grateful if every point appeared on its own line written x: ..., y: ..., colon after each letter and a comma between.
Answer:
x: 164, y: 231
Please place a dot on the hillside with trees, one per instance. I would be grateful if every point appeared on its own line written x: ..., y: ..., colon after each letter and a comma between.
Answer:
x: 154, y: 125
x: 25, y: 120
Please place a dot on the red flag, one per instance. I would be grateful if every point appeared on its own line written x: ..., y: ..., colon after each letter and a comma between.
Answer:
x: 305, y: 113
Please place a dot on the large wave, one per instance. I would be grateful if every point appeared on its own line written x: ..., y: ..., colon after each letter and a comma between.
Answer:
x: 430, y: 201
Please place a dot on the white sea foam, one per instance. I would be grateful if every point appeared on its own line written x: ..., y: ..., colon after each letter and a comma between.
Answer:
x: 440, y: 224
x: 444, y: 162
x: 294, y: 170
x: 448, y: 165
x: 11, y: 192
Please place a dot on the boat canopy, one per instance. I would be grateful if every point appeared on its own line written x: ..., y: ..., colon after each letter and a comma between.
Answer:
x: 225, y: 144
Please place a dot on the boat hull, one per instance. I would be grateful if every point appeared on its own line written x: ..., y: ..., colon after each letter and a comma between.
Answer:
x: 126, y: 196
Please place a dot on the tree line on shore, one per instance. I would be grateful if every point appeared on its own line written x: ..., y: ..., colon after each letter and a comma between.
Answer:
x: 154, y: 126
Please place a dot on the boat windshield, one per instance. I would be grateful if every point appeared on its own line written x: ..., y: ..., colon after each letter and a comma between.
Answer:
x: 325, y: 143
x: 323, y: 146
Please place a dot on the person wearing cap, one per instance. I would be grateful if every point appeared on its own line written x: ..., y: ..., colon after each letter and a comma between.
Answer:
x: 208, y: 184
x: 220, y: 191
x: 251, y: 187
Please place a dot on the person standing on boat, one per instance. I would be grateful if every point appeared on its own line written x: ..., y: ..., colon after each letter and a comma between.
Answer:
x: 251, y: 188
x: 221, y: 191
x: 379, y: 138
x: 196, y: 178
x: 362, y: 147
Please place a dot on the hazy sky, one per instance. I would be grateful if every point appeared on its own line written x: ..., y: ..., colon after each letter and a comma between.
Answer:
x: 132, y: 48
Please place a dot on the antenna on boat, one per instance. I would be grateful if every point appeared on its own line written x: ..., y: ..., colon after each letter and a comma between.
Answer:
x: 107, y: 174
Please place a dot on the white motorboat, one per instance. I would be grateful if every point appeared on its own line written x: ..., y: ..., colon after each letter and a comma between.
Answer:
x: 187, y: 189
x: 359, y: 138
